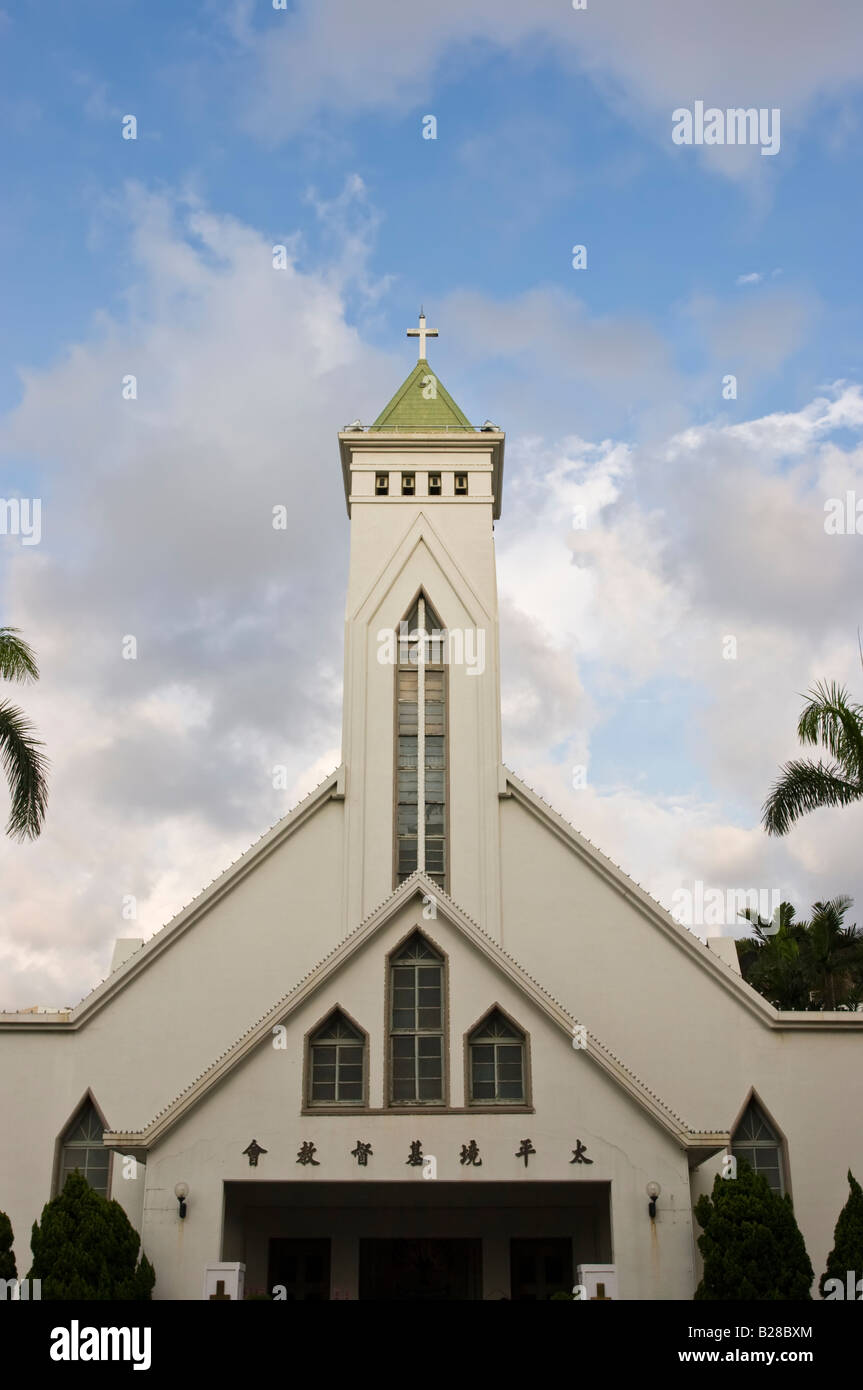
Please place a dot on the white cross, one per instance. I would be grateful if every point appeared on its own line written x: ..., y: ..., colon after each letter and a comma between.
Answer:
x: 422, y: 333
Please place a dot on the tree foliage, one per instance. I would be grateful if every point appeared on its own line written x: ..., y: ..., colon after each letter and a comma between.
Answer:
x: 829, y: 718
x: 815, y: 964
x: 847, y: 1252
x: 751, y: 1243
x: 86, y: 1248
x: 24, y: 763
x: 7, y: 1256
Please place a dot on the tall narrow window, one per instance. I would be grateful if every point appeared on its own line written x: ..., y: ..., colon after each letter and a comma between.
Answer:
x: 416, y: 1024
x: 82, y: 1149
x: 756, y: 1140
x: 337, y: 1063
x: 421, y: 737
x: 497, y: 1061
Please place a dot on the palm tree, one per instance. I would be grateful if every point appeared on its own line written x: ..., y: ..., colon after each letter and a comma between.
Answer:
x: 23, y: 762
x: 829, y: 718
x: 832, y: 955
x: 805, y: 965
x: 772, y: 960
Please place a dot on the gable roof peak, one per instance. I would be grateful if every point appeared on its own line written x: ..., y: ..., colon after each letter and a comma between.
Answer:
x: 421, y: 403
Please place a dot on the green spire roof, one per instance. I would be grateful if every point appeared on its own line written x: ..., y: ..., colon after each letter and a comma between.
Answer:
x: 414, y: 408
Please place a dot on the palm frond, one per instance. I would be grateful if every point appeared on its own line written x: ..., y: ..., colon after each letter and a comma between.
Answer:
x: 831, y: 719
x: 17, y: 662
x: 26, y: 768
x: 806, y: 786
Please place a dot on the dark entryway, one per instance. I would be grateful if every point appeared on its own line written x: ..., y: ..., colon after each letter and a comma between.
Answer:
x: 539, y: 1268
x: 302, y: 1267
x: 420, y: 1268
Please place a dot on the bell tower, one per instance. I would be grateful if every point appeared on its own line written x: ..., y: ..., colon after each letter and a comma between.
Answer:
x: 421, y: 724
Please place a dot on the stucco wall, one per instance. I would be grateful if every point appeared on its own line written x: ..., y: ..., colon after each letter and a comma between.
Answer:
x: 573, y: 1100
x: 678, y: 1026
x: 186, y: 1007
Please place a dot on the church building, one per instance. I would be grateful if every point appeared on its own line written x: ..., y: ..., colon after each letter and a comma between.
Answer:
x: 423, y: 1040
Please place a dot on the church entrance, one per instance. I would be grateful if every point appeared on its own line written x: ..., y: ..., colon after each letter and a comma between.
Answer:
x: 420, y: 1268
x: 416, y: 1241
x: 301, y: 1268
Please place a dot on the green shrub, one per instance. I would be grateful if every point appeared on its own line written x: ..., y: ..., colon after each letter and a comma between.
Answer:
x: 847, y: 1252
x: 86, y: 1248
x: 7, y: 1257
x: 752, y: 1246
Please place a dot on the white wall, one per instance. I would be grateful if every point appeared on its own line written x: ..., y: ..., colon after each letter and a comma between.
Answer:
x: 183, y: 1009
x: 573, y: 1100
x: 677, y: 1026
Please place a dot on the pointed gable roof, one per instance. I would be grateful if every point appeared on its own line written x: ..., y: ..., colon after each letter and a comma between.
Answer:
x: 698, y: 1144
x: 410, y: 409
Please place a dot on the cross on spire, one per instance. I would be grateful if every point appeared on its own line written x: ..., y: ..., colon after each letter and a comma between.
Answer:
x: 422, y: 333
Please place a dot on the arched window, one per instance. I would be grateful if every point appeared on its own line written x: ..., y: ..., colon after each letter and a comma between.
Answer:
x: 497, y: 1062
x: 416, y: 1024
x: 756, y: 1140
x: 82, y: 1149
x: 421, y: 745
x: 337, y: 1063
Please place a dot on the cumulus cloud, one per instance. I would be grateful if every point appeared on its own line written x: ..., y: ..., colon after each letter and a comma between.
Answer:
x: 699, y: 573
x: 623, y: 568
x: 158, y: 525
x: 645, y: 59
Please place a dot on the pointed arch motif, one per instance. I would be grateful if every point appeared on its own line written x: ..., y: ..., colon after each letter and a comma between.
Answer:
x: 756, y: 1137
x: 336, y: 1062
x: 421, y: 752
x: 416, y: 1023
x: 80, y: 1146
x: 497, y: 1061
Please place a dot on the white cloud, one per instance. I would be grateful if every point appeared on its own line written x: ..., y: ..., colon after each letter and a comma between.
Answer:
x: 158, y: 523
x: 645, y: 59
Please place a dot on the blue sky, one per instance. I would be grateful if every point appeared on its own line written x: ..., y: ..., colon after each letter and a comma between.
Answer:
x: 258, y: 127
x: 530, y: 159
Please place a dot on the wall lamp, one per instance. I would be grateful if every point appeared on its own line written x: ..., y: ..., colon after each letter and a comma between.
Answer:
x: 181, y: 1192
x: 653, y: 1190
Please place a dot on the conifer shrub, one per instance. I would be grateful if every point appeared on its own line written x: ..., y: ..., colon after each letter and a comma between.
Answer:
x: 7, y: 1257
x: 847, y: 1252
x: 751, y: 1243
x: 87, y: 1248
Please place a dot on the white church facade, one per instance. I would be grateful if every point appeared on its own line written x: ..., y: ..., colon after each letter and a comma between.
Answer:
x: 423, y: 1040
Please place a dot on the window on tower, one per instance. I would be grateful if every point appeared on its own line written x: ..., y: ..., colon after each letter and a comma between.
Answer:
x: 382, y: 484
x: 461, y: 485
x: 421, y: 746
x: 416, y: 1024
x: 408, y: 484
x: 434, y: 485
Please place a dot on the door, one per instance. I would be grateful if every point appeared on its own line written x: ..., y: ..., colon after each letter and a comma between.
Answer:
x: 431, y: 1270
x: 302, y: 1267
x: 539, y: 1268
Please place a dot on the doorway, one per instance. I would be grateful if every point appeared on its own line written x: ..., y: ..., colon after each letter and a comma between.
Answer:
x: 421, y: 1268
x: 302, y: 1268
